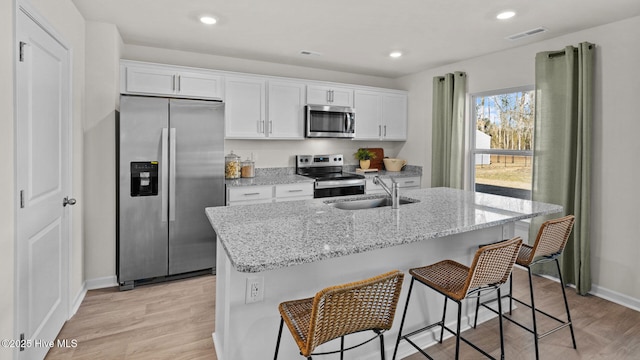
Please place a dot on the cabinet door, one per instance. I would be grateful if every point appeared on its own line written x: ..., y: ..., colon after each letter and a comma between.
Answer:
x: 285, y: 110
x: 290, y: 192
x: 394, y: 117
x: 329, y: 95
x: 199, y: 85
x: 142, y: 80
x: 368, y: 105
x: 246, y: 195
x: 245, y: 107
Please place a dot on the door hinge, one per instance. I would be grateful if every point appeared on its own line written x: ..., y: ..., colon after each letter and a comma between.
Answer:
x: 21, y: 199
x: 22, y: 44
x: 22, y: 342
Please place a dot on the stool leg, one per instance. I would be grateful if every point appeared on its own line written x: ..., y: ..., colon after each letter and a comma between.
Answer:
x: 500, y: 321
x: 511, y: 293
x: 444, y: 313
x: 381, y: 336
x: 404, y: 315
x: 457, y: 328
x: 533, y: 313
x: 566, y: 304
x: 475, y: 318
x: 342, y: 348
x: 275, y: 357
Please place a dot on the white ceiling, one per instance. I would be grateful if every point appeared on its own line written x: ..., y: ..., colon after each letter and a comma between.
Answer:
x: 351, y: 35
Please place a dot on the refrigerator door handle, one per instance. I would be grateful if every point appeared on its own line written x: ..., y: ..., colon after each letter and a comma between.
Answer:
x: 172, y: 174
x: 165, y: 174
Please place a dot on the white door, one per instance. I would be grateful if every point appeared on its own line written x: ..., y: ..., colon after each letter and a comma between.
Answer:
x: 43, y: 181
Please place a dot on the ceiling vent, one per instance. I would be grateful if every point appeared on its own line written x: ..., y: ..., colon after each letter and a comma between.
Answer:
x: 310, y: 53
x: 527, y: 33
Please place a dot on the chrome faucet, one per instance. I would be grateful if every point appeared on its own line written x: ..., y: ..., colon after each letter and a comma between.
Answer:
x: 393, y: 192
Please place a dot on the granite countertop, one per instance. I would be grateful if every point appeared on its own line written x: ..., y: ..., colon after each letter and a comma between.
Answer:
x: 271, y: 236
x: 275, y: 176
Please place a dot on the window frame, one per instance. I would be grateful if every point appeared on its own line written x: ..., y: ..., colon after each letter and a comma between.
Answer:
x: 473, y: 151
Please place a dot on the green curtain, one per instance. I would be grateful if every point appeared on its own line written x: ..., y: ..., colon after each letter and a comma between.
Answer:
x: 562, y: 150
x: 447, y: 160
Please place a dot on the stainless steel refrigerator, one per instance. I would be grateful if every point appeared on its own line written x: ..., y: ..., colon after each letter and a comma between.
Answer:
x: 170, y: 168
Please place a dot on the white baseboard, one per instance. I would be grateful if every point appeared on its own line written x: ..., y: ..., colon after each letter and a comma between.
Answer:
x: 102, y: 282
x: 216, y: 347
x: 91, y: 284
x: 610, y: 295
x: 78, y: 300
x: 615, y: 297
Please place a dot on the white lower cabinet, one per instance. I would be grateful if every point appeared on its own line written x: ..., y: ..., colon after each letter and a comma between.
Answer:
x: 290, y: 192
x: 410, y: 182
x: 247, y: 195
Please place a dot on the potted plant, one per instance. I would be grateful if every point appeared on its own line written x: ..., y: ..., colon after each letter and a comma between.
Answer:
x: 365, y: 156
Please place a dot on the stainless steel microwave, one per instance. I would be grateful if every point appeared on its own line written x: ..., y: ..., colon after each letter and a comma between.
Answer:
x: 330, y: 122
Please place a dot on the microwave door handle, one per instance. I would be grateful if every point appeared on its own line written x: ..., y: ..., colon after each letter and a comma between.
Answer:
x: 350, y: 123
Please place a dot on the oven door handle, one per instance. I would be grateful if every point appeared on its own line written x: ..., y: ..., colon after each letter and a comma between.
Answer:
x: 326, y: 184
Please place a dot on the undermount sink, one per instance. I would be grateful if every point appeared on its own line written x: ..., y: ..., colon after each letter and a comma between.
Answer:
x: 362, y: 204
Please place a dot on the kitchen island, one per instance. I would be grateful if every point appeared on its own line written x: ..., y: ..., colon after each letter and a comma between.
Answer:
x: 294, y: 249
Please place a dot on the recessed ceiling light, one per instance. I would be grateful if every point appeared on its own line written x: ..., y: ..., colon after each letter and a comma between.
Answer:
x: 208, y: 20
x: 505, y: 15
x: 395, y: 54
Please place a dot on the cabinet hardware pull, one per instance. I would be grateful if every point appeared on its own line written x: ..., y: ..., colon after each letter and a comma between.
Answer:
x: 253, y: 193
x: 297, y: 190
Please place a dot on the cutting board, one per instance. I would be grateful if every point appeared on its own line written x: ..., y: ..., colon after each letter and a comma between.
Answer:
x: 377, y: 162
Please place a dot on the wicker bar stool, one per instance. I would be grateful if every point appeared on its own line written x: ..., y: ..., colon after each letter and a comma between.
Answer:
x: 550, y: 243
x: 341, y: 310
x: 490, y: 268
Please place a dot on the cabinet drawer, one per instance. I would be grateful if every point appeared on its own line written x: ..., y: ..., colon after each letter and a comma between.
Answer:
x: 409, y: 182
x: 294, y: 190
x: 250, y: 193
x: 403, y: 183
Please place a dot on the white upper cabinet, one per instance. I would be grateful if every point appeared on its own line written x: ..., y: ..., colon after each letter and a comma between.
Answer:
x: 285, y: 114
x: 380, y: 115
x: 329, y: 95
x: 267, y: 107
x: 244, y: 112
x: 394, y: 116
x: 368, y: 105
x: 152, y: 79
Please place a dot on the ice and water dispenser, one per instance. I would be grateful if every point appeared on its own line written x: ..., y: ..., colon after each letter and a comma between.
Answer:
x: 144, y: 178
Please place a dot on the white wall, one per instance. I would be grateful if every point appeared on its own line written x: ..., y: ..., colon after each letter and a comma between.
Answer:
x: 614, y: 230
x: 7, y: 199
x: 103, y: 47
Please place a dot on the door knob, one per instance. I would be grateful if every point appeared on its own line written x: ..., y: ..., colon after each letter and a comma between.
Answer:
x: 66, y: 201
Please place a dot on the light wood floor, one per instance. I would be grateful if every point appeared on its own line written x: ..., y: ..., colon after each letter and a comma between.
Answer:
x: 175, y: 320
x: 172, y: 320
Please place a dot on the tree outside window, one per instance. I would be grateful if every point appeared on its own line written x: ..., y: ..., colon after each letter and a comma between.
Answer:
x: 502, y: 138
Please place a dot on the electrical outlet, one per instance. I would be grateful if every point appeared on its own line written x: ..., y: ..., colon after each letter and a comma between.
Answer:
x: 254, y: 290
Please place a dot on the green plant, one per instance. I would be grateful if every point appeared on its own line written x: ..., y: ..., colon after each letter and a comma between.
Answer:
x: 364, y: 154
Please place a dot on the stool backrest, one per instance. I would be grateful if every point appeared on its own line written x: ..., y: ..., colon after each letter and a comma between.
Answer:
x: 552, y: 237
x: 492, y: 264
x: 357, y: 306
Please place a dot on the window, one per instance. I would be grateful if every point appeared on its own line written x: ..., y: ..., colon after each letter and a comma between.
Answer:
x: 502, y: 142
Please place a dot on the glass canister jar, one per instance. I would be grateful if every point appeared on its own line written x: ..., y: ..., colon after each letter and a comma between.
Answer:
x: 232, y: 166
x: 248, y: 169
